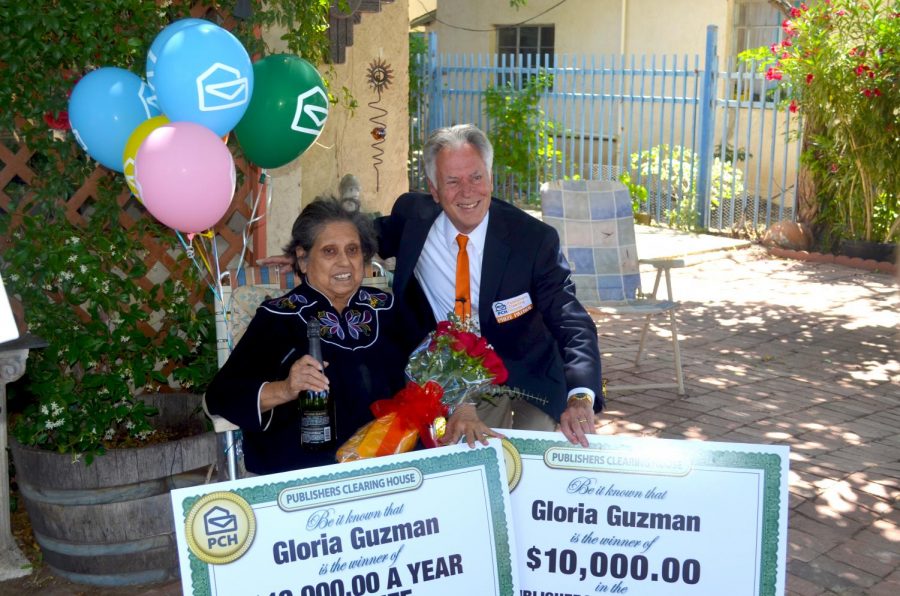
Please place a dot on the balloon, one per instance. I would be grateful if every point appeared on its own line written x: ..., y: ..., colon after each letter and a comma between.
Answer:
x: 185, y: 175
x: 286, y: 113
x: 131, y: 148
x: 204, y: 75
x: 106, y: 105
x: 160, y: 40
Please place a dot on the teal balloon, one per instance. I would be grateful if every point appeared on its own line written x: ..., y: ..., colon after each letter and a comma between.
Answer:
x: 287, y: 111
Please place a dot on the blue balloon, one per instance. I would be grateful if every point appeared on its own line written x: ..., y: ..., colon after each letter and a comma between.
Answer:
x: 204, y: 75
x: 105, y: 107
x: 160, y: 40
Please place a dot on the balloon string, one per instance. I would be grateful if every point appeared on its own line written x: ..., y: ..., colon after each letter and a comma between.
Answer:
x: 218, y: 275
x: 202, y: 250
x: 265, y: 179
x: 188, y: 250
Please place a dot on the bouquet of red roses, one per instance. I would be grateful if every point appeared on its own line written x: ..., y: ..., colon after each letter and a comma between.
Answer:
x: 457, y: 359
x: 448, y: 369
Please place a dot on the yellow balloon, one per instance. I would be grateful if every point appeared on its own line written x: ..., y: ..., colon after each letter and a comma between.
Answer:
x: 131, y: 148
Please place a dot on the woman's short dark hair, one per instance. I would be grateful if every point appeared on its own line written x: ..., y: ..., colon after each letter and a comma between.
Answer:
x: 323, y: 211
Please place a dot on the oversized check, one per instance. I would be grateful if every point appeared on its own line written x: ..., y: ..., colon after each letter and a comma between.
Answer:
x: 647, y: 516
x: 427, y: 523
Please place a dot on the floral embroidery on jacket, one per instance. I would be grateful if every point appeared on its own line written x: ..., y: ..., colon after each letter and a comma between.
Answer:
x: 375, y: 299
x: 331, y: 324
x: 358, y: 322
x: 290, y: 302
x: 354, y: 328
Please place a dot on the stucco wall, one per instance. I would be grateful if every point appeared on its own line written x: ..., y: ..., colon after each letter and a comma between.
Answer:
x: 669, y: 27
x: 418, y: 8
x: 586, y: 26
x: 345, y: 145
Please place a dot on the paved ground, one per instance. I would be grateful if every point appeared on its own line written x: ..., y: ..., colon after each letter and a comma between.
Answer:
x: 775, y: 351
x: 794, y: 353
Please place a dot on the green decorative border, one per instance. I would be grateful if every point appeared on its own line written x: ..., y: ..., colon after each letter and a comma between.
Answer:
x: 266, y: 493
x: 768, y: 463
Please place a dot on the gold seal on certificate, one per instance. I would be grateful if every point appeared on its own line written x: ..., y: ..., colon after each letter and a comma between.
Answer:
x: 220, y: 527
x: 513, y: 464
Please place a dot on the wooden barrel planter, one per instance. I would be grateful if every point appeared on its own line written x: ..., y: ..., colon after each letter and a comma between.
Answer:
x: 110, y: 523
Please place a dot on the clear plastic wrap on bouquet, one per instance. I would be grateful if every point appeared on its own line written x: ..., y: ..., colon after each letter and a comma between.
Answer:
x: 448, y: 369
x: 459, y: 360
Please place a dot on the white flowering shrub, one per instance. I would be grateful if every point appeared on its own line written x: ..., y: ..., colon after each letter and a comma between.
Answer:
x: 111, y: 333
x: 672, y: 171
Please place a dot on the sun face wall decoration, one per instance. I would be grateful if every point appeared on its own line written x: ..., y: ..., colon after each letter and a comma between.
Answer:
x: 379, y: 76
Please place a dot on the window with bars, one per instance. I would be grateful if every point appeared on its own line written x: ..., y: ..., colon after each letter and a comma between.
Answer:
x: 530, y: 45
x: 757, y: 23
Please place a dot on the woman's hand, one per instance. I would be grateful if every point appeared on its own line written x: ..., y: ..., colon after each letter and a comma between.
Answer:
x: 464, y: 422
x: 306, y: 374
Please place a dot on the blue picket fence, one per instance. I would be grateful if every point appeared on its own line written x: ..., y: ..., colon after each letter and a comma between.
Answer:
x: 718, y: 144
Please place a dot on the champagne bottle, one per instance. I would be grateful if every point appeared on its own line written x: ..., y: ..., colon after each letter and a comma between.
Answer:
x: 316, y: 407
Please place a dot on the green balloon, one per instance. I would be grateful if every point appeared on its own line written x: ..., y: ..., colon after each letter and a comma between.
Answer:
x: 287, y: 111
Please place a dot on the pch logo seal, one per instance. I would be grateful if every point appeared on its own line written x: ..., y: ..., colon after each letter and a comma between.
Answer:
x: 220, y: 528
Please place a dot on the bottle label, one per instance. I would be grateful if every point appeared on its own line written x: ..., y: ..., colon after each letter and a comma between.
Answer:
x: 315, y: 428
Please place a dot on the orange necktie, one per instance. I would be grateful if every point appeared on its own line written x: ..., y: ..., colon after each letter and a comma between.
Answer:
x: 463, y: 303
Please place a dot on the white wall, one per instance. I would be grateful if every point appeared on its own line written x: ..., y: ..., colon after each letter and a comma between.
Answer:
x: 586, y: 26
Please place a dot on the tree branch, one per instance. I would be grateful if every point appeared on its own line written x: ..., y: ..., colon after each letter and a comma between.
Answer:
x: 782, y: 5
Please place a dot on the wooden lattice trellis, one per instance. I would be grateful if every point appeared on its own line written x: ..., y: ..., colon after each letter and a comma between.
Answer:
x: 15, y: 170
x: 17, y: 175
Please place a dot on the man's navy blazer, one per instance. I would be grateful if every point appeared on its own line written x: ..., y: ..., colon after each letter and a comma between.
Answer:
x: 548, y: 350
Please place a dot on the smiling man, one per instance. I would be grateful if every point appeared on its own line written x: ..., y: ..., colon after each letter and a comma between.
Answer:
x: 460, y: 250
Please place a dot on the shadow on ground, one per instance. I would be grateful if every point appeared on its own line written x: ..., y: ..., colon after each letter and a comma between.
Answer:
x: 799, y: 354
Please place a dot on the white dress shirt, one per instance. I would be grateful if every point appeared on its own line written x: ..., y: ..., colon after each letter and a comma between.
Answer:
x: 436, y: 269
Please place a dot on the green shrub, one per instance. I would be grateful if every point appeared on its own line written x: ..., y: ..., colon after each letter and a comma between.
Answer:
x: 671, y: 172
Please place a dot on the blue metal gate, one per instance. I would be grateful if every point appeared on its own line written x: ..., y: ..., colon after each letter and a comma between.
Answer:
x: 718, y: 145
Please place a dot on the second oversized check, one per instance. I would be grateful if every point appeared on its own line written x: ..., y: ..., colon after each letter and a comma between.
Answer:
x: 647, y: 516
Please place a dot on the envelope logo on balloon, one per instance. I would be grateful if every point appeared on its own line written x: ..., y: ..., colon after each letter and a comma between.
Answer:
x: 221, y: 87
x: 148, y: 100
x: 316, y: 113
x: 128, y: 170
x: 79, y: 139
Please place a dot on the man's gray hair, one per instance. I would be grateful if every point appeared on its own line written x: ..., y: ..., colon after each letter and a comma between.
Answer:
x: 455, y: 137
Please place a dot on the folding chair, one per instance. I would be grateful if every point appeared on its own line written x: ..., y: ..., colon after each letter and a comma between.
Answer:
x: 242, y: 292
x: 595, y: 223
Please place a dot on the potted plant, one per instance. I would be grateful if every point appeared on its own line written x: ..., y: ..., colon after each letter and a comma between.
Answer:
x: 110, y: 336
x: 75, y: 251
x: 89, y: 401
x: 838, y: 63
x: 523, y: 140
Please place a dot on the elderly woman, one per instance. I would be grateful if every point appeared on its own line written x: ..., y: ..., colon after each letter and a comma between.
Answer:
x: 257, y: 389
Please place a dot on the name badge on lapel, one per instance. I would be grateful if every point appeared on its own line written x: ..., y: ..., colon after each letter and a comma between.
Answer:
x: 512, y: 308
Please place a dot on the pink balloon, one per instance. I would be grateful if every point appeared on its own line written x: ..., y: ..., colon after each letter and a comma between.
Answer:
x: 185, y: 175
